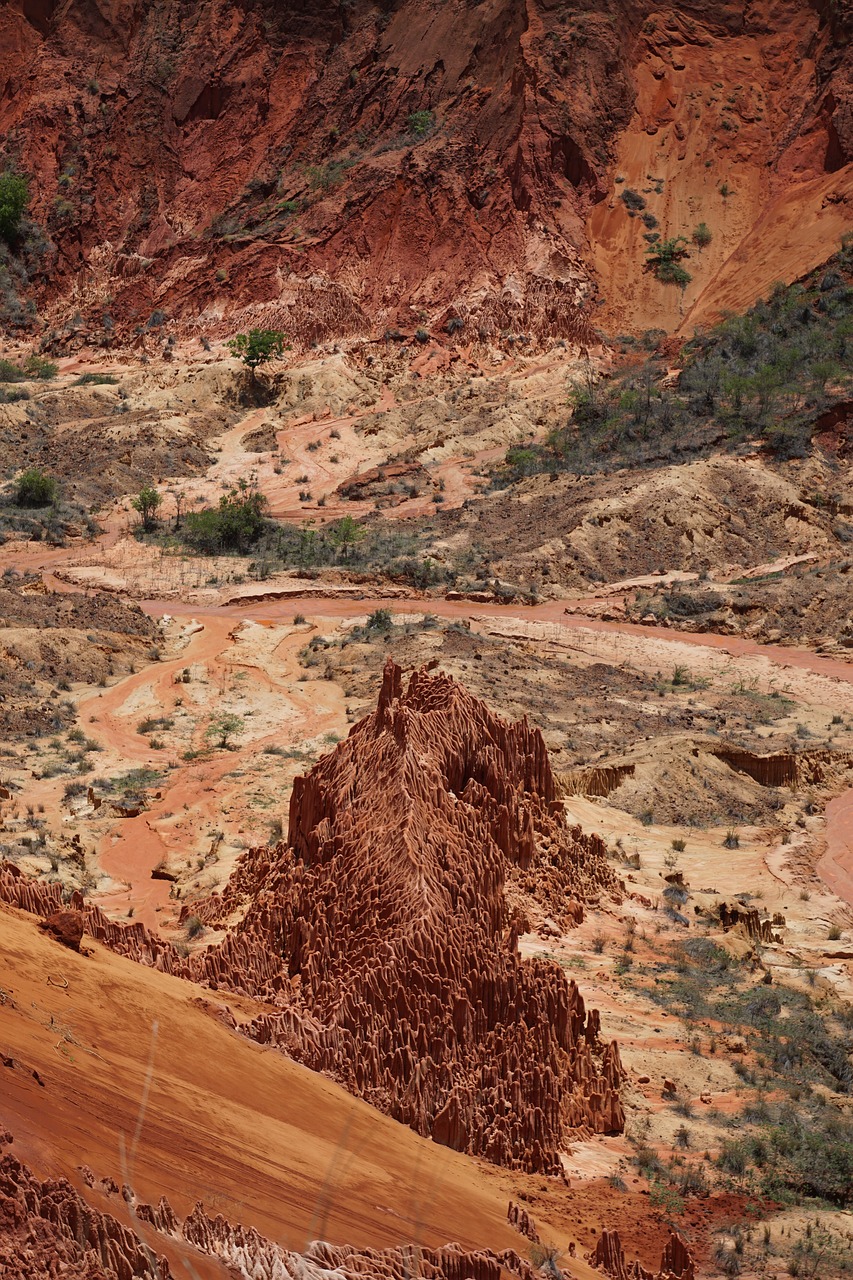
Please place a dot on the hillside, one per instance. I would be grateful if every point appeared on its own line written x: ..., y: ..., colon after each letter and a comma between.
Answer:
x: 426, y: 697
x: 347, y: 168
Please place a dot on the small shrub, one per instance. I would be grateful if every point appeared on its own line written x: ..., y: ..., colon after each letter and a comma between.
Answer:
x: 223, y: 727
x: 380, y: 620
x: 702, y: 235
x: 632, y: 200
x: 11, y: 372
x: 14, y: 197
x: 37, y: 367
x: 35, y: 489
x: 95, y: 380
x: 731, y: 840
x: 420, y: 123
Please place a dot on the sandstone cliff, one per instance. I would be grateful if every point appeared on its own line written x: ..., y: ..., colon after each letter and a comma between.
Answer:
x: 342, y: 168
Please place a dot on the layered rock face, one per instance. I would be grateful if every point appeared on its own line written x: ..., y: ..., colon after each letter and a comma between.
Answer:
x: 382, y: 930
x: 332, y: 168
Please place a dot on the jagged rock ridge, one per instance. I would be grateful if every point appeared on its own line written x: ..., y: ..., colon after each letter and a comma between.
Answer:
x: 382, y: 936
x: 48, y: 1229
x: 383, y: 932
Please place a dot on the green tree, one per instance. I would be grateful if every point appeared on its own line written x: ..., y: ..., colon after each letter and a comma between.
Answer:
x: 664, y: 258
x: 257, y: 347
x: 223, y: 727
x: 35, y: 489
x: 345, y: 534
x: 146, y: 503
x: 14, y: 198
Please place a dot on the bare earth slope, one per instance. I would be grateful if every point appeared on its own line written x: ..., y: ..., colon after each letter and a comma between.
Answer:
x: 338, y: 167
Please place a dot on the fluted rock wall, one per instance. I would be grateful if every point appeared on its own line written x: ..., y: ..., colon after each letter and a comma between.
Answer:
x: 381, y: 941
x: 609, y: 1256
x: 757, y: 926
x: 47, y: 1229
x: 44, y: 899
x: 383, y: 935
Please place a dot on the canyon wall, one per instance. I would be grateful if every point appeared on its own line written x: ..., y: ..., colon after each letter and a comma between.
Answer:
x: 347, y: 168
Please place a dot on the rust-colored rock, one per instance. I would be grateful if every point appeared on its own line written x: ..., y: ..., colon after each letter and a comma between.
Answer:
x: 328, y: 167
x: 47, y: 1229
x: 757, y: 926
x: 67, y: 927
x: 382, y: 934
x: 518, y: 1217
x: 609, y: 1256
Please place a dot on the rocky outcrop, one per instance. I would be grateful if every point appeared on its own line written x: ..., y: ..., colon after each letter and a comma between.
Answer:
x: 66, y: 927
x: 599, y: 780
x: 47, y: 1229
x: 250, y: 1253
x: 809, y: 768
x: 338, y: 166
x: 354, y: 166
x: 382, y: 937
x: 41, y: 898
x: 609, y: 1256
x: 762, y: 928
x: 518, y: 1217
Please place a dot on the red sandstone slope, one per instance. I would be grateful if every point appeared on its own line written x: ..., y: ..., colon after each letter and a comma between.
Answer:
x: 266, y: 162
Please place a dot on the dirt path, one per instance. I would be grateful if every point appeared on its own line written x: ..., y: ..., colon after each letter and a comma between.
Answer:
x: 825, y: 681
x: 189, y: 800
x: 836, y: 866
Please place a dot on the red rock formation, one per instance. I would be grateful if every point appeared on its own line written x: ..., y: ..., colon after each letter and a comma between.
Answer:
x: 332, y: 167
x: 47, y: 1229
x: 67, y: 927
x: 383, y: 936
x: 518, y: 1217
x: 762, y: 928
x: 252, y: 1254
x: 132, y: 940
x: 609, y: 1256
